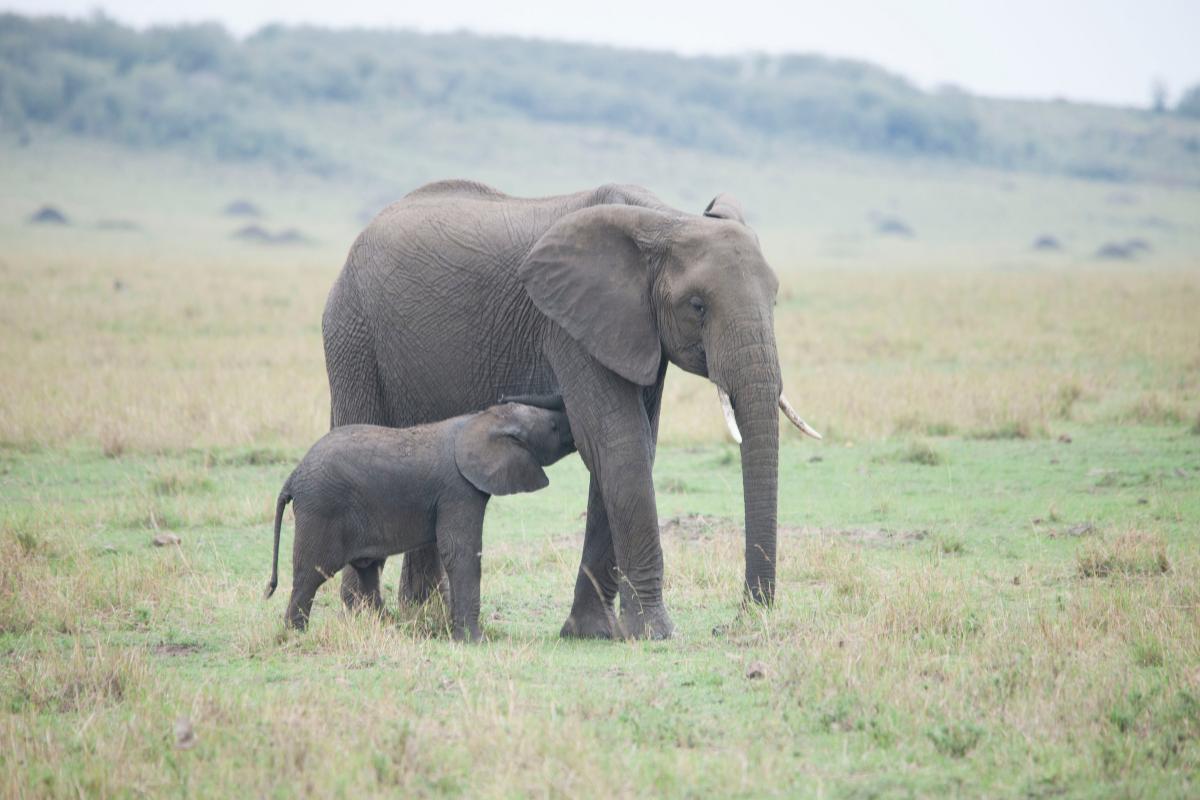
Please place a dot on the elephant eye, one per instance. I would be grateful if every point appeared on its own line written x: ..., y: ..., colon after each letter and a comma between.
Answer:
x: 697, y: 304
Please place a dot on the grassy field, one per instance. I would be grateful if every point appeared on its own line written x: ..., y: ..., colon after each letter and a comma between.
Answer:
x: 989, y: 575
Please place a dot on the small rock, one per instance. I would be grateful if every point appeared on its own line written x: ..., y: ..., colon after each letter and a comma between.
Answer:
x: 1065, y: 439
x: 756, y: 670
x: 185, y: 734
x: 165, y: 539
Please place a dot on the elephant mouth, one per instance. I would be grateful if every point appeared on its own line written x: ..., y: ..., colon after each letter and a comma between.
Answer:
x: 696, y: 360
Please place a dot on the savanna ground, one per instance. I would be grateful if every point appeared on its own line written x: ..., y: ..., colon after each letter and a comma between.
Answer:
x: 989, y: 578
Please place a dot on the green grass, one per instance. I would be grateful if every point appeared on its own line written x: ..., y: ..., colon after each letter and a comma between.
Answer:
x: 929, y: 638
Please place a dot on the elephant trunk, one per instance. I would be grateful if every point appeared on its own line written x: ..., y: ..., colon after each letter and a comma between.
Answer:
x: 757, y: 409
x: 752, y: 379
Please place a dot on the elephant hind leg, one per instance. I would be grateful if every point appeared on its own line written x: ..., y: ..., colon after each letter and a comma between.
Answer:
x: 305, y: 583
x: 422, y: 576
x: 356, y: 390
x: 317, y: 553
x: 355, y: 387
x: 363, y: 592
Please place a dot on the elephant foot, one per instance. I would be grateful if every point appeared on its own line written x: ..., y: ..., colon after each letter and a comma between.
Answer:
x: 467, y: 635
x: 646, y: 622
x: 588, y: 625
x: 592, y: 615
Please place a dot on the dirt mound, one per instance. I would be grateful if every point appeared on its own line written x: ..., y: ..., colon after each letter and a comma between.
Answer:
x: 242, y: 208
x: 291, y: 236
x: 1127, y: 250
x: 48, y: 215
x: 257, y: 234
x: 893, y: 226
x: 252, y: 233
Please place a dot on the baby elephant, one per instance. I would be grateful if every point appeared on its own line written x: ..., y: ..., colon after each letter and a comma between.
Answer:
x: 366, y: 492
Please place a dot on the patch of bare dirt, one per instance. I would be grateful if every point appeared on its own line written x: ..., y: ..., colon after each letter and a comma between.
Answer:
x: 880, y: 537
x: 167, y: 649
x: 694, y: 527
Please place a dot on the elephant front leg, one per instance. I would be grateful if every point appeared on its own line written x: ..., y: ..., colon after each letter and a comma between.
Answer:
x: 460, y: 546
x: 631, y: 507
x: 592, y: 615
x: 614, y: 434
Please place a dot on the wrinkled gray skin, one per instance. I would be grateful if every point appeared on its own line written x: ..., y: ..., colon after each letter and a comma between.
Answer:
x: 459, y: 293
x: 365, y: 492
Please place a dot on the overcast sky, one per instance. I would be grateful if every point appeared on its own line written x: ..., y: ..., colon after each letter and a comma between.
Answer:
x: 1103, y: 50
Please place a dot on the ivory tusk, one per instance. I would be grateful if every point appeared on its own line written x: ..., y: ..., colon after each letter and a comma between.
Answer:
x: 794, y: 418
x: 727, y: 410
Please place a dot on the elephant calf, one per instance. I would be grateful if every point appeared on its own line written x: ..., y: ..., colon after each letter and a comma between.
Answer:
x: 366, y: 492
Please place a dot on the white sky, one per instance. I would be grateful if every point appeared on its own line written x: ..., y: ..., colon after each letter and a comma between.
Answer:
x: 1102, y: 50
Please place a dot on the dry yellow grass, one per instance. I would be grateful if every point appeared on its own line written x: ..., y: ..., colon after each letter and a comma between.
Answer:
x: 222, y: 347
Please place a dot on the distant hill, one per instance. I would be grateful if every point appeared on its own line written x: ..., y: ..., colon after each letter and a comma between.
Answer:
x: 325, y: 101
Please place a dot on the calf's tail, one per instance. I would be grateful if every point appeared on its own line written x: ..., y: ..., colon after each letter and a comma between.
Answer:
x: 285, y: 497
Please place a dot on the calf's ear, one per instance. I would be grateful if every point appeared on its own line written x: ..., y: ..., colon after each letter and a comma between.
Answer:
x: 490, y: 453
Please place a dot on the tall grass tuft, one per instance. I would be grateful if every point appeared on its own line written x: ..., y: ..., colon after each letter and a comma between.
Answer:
x: 1131, y: 553
x: 1010, y: 429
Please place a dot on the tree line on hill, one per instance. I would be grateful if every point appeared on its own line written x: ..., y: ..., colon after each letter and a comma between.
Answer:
x: 197, y: 86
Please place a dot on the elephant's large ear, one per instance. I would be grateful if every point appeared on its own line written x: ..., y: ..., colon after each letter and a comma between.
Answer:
x: 490, y: 453
x: 589, y: 274
x: 725, y: 206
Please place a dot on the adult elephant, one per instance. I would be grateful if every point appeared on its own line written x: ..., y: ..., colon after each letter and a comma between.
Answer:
x: 459, y: 294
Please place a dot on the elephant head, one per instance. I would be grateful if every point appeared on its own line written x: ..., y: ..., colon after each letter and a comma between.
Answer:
x: 634, y: 285
x: 502, y: 450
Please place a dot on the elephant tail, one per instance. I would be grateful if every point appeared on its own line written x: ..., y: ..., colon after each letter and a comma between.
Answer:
x: 285, y: 497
